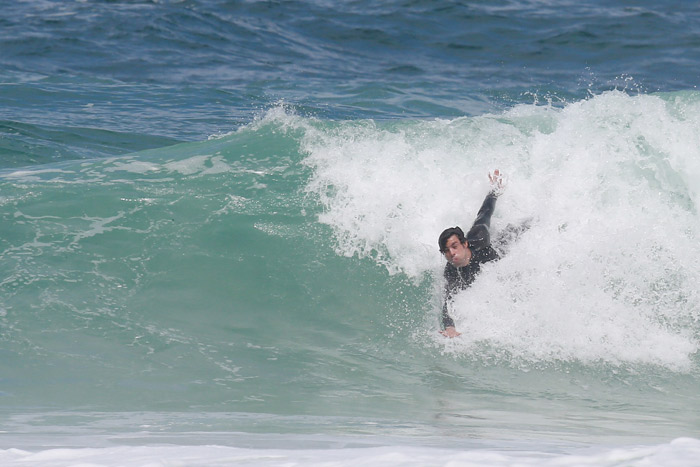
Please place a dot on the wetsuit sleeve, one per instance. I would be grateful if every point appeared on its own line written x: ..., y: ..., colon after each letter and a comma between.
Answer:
x: 478, y: 236
x: 447, y: 320
x: 451, y: 277
x: 486, y: 210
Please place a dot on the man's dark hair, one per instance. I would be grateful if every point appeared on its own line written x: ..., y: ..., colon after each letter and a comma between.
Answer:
x: 447, y: 233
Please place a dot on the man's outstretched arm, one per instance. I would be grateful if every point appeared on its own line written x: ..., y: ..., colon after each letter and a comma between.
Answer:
x: 448, y: 324
x: 478, y: 236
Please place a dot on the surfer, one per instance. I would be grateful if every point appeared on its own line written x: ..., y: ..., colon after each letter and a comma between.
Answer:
x: 466, y: 254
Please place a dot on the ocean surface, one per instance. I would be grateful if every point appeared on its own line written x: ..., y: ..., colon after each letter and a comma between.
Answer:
x: 219, y: 221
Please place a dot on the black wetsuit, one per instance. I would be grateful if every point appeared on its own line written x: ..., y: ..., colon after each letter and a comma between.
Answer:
x: 482, y: 252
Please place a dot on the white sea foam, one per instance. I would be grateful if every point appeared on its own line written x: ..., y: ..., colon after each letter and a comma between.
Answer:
x: 608, y: 271
x: 132, y: 166
x: 679, y: 452
x: 204, y: 165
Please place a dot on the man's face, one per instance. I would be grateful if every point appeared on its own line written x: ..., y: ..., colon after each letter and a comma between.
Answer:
x: 457, y: 253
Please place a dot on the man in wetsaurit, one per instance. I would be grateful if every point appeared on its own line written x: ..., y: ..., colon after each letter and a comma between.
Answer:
x: 466, y: 254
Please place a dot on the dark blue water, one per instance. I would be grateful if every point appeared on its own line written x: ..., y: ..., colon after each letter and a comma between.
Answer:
x: 217, y: 226
x: 150, y: 73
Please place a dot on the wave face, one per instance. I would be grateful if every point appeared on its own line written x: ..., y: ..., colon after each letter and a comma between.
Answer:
x: 291, y: 268
x: 607, y: 271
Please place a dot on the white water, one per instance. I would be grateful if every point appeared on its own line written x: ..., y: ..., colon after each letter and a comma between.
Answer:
x: 680, y: 452
x: 609, y: 270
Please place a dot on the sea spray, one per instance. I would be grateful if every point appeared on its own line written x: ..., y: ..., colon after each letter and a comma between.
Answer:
x: 607, y: 270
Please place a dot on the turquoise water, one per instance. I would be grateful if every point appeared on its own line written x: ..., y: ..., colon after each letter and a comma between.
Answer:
x: 219, y: 220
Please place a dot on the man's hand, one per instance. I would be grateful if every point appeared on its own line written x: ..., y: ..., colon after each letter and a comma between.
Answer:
x: 450, y: 332
x: 498, y: 184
